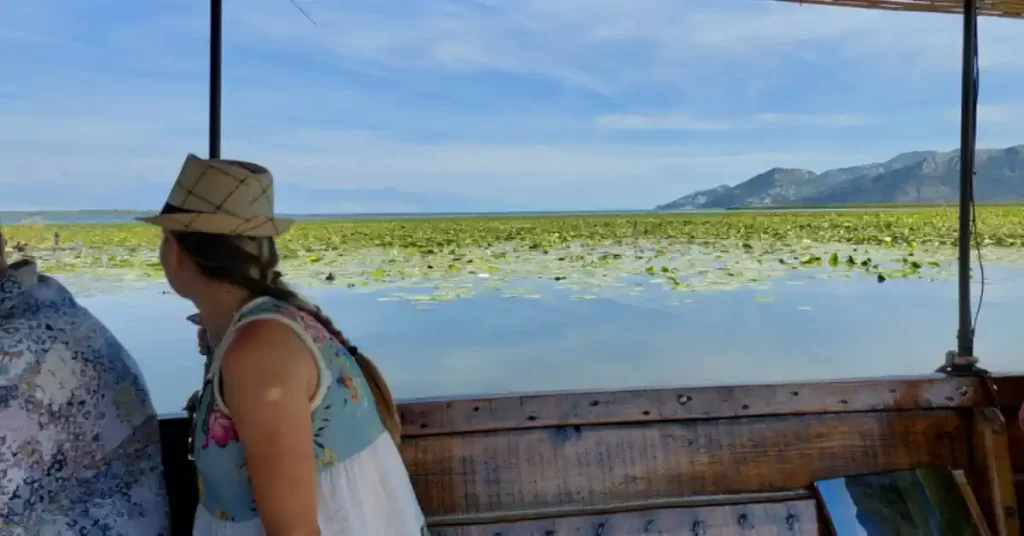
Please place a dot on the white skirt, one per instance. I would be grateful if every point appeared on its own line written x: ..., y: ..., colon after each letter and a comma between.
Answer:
x: 368, y: 494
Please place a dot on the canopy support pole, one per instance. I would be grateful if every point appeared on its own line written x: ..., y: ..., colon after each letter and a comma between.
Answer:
x: 965, y: 334
x: 216, y: 20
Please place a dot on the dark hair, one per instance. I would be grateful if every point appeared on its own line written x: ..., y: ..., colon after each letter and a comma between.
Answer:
x: 251, y: 263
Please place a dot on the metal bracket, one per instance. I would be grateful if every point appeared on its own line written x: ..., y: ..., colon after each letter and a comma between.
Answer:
x: 960, y: 365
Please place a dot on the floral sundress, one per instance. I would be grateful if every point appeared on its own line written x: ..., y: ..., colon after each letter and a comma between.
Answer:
x: 363, y: 485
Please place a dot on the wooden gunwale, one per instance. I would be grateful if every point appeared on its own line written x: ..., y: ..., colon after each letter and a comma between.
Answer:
x: 438, y: 416
x: 544, y: 410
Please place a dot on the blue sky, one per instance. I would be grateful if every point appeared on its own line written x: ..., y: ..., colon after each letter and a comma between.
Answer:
x: 479, y: 104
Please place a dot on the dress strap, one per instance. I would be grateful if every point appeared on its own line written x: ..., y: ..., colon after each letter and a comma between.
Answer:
x: 244, y: 317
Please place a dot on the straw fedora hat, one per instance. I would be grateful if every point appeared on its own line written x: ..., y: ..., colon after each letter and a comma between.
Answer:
x: 226, y: 197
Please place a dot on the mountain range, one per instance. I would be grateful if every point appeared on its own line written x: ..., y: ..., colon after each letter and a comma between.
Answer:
x: 923, y: 177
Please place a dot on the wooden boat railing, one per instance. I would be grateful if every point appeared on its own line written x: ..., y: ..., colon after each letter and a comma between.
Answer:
x: 704, y: 460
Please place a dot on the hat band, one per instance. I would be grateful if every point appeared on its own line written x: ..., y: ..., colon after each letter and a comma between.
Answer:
x: 244, y: 224
x: 172, y: 209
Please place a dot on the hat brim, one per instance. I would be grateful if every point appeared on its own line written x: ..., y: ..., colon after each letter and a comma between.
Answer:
x: 221, y: 224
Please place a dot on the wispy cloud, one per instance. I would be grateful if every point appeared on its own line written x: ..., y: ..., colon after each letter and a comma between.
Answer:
x: 542, y: 103
x: 1000, y: 114
x: 682, y: 121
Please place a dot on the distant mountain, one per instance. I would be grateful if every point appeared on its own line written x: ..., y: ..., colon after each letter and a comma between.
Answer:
x: 915, y: 177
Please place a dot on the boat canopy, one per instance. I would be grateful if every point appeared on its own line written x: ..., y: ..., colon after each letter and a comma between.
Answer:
x: 993, y: 8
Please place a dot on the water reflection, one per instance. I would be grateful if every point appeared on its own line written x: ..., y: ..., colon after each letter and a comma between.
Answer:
x: 809, y: 329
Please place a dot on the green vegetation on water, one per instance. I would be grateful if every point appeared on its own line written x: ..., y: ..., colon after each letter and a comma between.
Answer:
x: 877, y: 206
x: 458, y: 257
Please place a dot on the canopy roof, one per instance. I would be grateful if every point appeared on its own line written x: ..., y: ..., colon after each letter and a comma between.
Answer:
x: 992, y: 8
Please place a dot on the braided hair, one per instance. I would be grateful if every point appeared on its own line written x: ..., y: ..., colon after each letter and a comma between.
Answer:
x: 251, y: 264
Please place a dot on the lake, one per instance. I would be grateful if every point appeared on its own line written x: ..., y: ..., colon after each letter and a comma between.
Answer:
x: 501, y: 304
x: 790, y: 328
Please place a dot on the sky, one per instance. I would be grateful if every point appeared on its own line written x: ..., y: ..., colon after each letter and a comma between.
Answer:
x: 442, y: 105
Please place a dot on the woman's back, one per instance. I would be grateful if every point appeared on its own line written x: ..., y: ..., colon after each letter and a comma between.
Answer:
x: 363, y: 486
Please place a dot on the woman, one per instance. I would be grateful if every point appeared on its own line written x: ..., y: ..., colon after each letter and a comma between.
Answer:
x: 79, y: 440
x: 296, y: 430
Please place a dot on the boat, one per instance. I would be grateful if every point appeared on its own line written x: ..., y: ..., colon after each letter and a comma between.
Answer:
x: 706, y: 460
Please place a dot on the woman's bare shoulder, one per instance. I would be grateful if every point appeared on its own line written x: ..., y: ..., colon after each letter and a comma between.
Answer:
x: 267, y: 353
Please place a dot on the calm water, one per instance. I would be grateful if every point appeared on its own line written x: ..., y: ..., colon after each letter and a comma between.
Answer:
x: 75, y: 217
x: 813, y: 329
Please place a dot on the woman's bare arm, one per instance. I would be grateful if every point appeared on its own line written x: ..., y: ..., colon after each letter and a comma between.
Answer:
x: 269, y: 378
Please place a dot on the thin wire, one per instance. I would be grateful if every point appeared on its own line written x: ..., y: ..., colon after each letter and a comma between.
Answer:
x: 303, y: 11
x: 974, y: 204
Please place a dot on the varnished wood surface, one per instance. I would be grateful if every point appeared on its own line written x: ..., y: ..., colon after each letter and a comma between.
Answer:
x: 1015, y: 438
x: 1009, y: 390
x: 591, y: 465
x: 657, y: 405
x: 797, y: 518
x: 993, y: 475
x: 592, y: 510
x: 1015, y: 441
x: 972, y: 502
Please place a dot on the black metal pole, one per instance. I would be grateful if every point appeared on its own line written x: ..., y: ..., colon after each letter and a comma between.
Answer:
x: 965, y: 334
x: 216, y: 20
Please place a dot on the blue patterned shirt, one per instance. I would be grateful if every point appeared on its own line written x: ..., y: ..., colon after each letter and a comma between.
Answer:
x: 79, y: 444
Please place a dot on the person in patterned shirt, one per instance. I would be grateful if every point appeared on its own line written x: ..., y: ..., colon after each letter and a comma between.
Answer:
x: 79, y: 444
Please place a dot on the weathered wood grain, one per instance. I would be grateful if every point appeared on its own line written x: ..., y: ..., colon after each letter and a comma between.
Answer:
x: 1015, y: 442
x: 1009, y: 390
x: 796, y: 518
x: 1015, y: 438
x: 592, y: 465
x: 486, y: 457
x: 993, y: 472
x: 657, y: 405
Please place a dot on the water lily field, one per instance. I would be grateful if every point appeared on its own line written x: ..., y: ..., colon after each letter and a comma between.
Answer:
x: 432, y: 260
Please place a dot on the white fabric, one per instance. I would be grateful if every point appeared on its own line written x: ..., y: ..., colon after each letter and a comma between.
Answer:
x: 367, y: 495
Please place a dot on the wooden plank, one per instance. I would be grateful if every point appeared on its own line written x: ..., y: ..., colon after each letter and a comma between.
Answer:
x: 599, y: 465
x: 421, y: 418
x: 972, y: 503
x: 691, y: 501
x: 797, y: 518
x: 1009, y: 390
x: 993, y: 472
x: 1015, y: 438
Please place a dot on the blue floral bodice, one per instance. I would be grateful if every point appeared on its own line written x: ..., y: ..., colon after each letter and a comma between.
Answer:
x: 345, y: 418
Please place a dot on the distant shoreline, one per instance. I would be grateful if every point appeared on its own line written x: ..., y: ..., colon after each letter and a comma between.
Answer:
x: 113, y: 217
x: 15, y: 217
